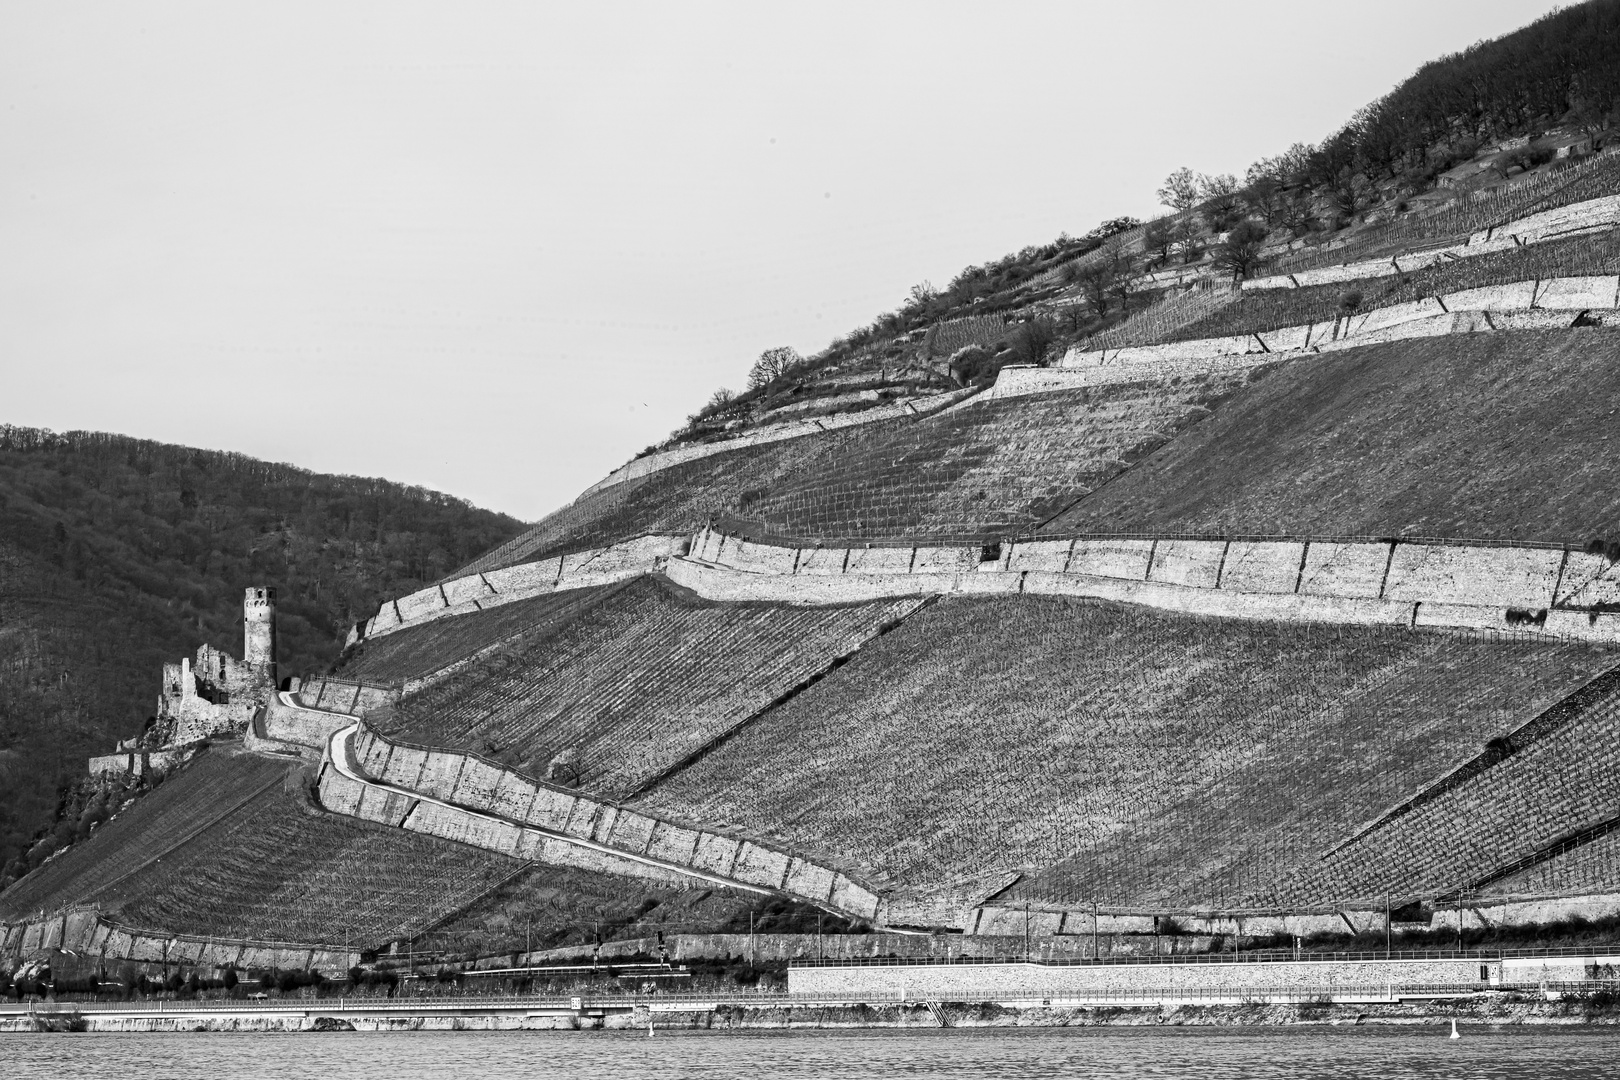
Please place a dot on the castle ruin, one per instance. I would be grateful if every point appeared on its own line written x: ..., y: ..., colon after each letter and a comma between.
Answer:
x: 213, y: 694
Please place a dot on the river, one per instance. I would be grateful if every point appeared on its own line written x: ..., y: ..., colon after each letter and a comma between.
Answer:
x: 1523, y: 1053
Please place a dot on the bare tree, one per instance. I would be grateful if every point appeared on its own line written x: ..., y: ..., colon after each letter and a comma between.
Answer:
x: 772, y: 365
x: 1180, y: 190
x: 1158, y: 239
x: 1219, y: 197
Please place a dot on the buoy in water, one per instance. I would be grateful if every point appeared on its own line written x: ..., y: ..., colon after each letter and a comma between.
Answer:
x: 1454, y: 1033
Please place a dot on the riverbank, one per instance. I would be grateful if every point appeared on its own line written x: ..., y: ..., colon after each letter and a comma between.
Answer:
x: 1488, y: 1010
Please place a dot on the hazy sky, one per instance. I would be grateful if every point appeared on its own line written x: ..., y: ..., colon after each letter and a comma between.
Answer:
x: 497, y: 248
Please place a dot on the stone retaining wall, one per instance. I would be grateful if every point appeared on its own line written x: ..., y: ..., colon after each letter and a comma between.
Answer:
x: 1574, y: 219
x: 664, y: 459
x: 1543, y: 591
x: 1552, y: 303
x: 500, y: 809
x: 89, y: 934
x: 139, y: 762
x: 477, y: 592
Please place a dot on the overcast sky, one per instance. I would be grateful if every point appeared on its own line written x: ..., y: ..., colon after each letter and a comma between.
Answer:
x: 497, y: 248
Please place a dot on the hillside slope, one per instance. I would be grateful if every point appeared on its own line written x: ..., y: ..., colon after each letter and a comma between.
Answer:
x: 1494, y: 436
x: 117, y: 554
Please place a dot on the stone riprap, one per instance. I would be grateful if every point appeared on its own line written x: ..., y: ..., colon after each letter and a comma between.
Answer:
x: 1511, y: 589
x: 477, y: 592
x: 478, y: 802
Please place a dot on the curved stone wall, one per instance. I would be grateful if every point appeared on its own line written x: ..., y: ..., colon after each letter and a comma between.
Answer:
x: 465, y: 797
x: 478, y: 592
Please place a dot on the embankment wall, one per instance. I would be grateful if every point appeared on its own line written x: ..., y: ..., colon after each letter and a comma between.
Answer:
x: 955, y: 982
x: 494, y: 807
x: 90, y: 934
x: 477, y: 592
x: 1543, y: 304
x: 1507, y: 589
x: 664, y: 459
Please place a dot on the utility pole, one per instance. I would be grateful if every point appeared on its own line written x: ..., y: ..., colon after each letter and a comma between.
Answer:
x: 1026, y: 933
x: 1386, y: 924
x: 1096, y: 941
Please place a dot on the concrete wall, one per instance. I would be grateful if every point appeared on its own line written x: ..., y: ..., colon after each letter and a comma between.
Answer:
x: 1360, y: 582
x: 477, y: 592
x: 956, y: 982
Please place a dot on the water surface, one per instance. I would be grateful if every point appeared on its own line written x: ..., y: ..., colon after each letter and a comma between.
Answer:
x: 1339, y: 1053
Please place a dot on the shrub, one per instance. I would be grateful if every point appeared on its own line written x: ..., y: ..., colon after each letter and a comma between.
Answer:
x: 1033, y: 339
x: 1239, y: 253
x: 971, y: 363
x: 1350, y: 301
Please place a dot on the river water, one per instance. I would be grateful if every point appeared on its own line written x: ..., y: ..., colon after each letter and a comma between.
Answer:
x: 1524, y: 1053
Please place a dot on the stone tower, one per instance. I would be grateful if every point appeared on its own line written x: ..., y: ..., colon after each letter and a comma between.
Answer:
x: 259, y: 633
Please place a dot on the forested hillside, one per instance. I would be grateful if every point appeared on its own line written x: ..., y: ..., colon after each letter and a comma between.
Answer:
x: 117, y: 554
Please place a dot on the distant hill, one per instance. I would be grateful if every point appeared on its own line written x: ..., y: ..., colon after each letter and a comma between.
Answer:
x: 117, y: 554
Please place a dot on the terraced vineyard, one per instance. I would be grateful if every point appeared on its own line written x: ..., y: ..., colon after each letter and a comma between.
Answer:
x: 279, y: 869
x: 206, y: 790
x: 1466, y: 214
x: 549, y: 906
x: 1591, y: 867
x: 231, y: 846
x: 1158, y: 759
x: 1494, y: 436
x: 635, y: 684
x: 415, y: 651
x: 679, y: 499
x: 1561, y: 782
x: 1273, y: 309
x: 984, y: 470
